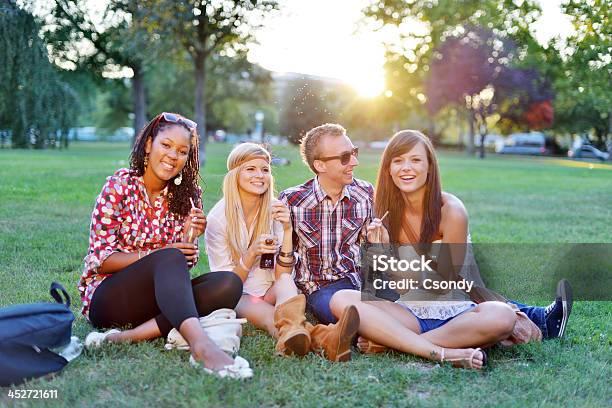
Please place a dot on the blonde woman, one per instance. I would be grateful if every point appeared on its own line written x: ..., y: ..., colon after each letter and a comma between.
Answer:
x: 248, y: 223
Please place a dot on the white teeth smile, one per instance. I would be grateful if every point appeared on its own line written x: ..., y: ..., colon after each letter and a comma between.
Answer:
x: 408, y: 177
x: 168, y: 166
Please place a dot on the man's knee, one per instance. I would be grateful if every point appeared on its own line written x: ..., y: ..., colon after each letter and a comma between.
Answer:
x: 343, y: 298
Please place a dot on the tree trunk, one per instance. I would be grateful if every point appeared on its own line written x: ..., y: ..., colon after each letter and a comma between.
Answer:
x: 200, y: 102
x: 482, y: 145
x: 140, y: 100
x: 470, y: 141
x: 65, y: 141
x: 432, y: 130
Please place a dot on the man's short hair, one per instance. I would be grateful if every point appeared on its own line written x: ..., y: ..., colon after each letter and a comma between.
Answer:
x: 309, y: 145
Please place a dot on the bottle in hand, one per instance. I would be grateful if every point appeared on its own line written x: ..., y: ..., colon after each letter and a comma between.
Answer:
x: 267, y: 260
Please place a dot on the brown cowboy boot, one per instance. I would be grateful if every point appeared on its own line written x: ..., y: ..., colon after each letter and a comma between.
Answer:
x: 335, y: 339
x: 293, y: 337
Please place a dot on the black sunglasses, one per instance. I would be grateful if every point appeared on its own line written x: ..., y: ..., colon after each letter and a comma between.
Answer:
x: 345, y: 157
x: 176, y: 118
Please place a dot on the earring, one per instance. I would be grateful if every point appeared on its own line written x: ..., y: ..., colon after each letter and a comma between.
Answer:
x: 179, y: 179
x: 146, y: 161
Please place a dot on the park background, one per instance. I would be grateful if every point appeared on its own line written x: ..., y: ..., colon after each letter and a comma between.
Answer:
x: 75, y: 71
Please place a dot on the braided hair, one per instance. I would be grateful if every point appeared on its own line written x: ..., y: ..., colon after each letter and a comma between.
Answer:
x: 178, y: 196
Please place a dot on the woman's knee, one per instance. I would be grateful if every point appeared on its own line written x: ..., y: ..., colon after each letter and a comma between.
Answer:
x: 499, y: 316
x: 169, y: 259
x: 230, y: 282
x: 286, y: 280
x: 223, y: 288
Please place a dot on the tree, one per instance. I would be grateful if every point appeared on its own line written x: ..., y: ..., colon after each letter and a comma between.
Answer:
x: 305, y: 105
x: 236, y: 89
x: 477, y: 70
x: 35, y: 103
x: 584, y: 102
x: 423, y: 25
x: 463, y: 71
x: 118, y: 41
x: 203, y: 28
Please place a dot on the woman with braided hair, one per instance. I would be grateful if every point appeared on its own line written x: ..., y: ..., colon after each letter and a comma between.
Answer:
x: 143, y: 241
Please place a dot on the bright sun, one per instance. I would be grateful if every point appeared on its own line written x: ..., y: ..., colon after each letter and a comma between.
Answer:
x: 367, y: 83
x: 305, y: 39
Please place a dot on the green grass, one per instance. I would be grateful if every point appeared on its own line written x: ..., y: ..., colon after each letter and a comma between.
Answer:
x: 46, y: 199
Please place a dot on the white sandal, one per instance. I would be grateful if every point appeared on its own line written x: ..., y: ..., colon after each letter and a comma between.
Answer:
x: 95, y: 339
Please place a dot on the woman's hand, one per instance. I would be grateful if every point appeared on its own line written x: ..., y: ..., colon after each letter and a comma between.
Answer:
x: 189, y: 249
x: 196, y: 220
x: 264, y: 244
x: 281, y: 213
x: 377, y: 233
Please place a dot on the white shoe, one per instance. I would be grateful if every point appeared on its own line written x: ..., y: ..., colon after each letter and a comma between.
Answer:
x: 95, y: 339
x: 239, y: 370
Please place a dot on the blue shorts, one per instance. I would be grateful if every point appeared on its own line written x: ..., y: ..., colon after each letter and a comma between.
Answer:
x: 318, y: 301
x: 432, y: 324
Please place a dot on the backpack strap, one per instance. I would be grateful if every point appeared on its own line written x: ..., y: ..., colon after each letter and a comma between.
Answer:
x: 55, y: 290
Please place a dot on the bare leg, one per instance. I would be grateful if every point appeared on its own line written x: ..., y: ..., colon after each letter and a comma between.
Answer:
x: 146, y: 331
x: 487, y: 323
x: 283, y: 289
x: 258, y: 312
x: 202, y: 348
x: 382, y: 328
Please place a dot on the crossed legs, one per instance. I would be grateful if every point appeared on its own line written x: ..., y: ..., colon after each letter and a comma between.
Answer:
x: 389, y: 324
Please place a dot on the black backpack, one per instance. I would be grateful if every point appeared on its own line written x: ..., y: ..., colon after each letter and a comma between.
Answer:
x: 28, y: 332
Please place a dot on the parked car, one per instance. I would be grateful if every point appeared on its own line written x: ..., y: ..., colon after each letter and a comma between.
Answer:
x: 534, y: 143
x: 587, y: 151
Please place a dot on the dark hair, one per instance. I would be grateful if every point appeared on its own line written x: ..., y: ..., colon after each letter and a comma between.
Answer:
x: 389, y: 198
x: 178, y: 196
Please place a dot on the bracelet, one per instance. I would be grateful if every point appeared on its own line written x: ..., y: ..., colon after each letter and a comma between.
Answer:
x: 285, y: 264
x: 286, y: 254
x: 242, y: 265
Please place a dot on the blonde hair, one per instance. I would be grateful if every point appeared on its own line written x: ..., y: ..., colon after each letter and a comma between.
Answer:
x: 310, y: 142
x: 233, y: 207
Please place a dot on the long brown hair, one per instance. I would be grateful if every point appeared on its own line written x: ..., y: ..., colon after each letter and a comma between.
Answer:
x: 389, y: 198
x: 178, y: 196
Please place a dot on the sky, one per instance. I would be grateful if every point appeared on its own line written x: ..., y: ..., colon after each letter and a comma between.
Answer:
x: 321, y: 37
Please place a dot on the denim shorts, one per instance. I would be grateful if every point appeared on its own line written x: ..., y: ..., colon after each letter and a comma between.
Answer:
x: 318, y: 301
x: 432, y: 324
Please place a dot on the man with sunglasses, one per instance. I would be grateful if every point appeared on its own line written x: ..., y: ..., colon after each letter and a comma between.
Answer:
x: 329, y: 214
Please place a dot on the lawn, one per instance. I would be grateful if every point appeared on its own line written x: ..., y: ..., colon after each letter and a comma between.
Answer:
x: 46, y: 198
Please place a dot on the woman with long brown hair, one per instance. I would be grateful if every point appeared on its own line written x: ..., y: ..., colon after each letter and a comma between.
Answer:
x: 421, y: 214
x: 408, y: 188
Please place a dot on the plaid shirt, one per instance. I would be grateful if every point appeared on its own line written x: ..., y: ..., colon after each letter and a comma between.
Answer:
x: 327, y: 236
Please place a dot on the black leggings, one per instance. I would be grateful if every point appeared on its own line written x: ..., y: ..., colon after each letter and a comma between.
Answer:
x: 158, y: 286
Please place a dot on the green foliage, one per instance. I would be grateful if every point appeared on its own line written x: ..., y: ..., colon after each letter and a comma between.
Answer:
x: 35, y: 103
x: 202, y: 29
x: 305, y: 105
x: 584, y: 101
